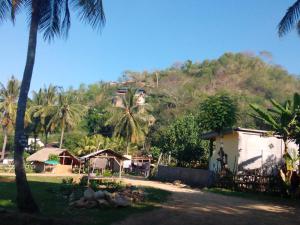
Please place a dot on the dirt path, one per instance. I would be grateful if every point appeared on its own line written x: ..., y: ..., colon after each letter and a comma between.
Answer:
x: 189, y: 207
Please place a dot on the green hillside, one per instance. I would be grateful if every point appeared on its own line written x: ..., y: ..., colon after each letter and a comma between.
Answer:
x: 247, y: 78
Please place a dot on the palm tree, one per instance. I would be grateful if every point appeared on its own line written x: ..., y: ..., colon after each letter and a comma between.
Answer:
x: 66, y: 113
x: 8, y: 107
x: 54, y: 20
x: 43, y: 101
x: 130, y: 120
x: 290, y: 19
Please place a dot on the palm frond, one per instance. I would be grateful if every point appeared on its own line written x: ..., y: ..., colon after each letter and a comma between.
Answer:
x: 92, y: 12
x: 265, y: 116
x: 50, y: 18
x: 5, y: 8
x: 290, y: 19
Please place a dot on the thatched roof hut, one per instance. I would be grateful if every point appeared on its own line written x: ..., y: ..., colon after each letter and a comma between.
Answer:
x: 103, y: 159
x: 66, y: 158
x: 106, y: 153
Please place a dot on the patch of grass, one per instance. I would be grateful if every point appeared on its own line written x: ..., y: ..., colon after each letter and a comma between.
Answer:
x: 49, y: 193
x: 254, y: 196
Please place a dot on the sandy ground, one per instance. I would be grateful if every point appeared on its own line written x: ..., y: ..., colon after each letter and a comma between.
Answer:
x: 188, y: 206
x: 193, y: 206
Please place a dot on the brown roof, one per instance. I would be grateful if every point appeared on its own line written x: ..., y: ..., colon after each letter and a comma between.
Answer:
x: 102, y: 152
x: 43, y: 154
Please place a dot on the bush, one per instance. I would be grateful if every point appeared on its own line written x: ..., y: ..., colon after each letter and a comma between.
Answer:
x: 53, y: 157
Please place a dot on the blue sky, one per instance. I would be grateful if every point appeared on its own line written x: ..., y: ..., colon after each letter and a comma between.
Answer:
x: 151, y: 34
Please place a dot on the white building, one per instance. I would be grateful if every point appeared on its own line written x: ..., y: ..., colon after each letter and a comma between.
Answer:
x: 247, y: 149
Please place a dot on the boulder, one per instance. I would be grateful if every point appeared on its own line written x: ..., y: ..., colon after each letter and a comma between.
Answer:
x: 89, y: 194
x: 99, y: 195
x: 79, y: 203
x: 102, y: 203
x: 108, y: 196
x: 91, y: 204
x: 121, y: 201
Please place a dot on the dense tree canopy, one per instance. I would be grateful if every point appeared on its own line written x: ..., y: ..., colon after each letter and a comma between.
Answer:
x: 217, y: 113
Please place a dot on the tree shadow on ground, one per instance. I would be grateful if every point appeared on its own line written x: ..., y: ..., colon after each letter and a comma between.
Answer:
x: 54, y: 205
x: 211, y: 209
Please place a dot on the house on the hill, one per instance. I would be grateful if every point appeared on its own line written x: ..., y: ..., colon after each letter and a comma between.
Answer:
x: 246, y: 149
x: 41, y: 161
x: 140, y: 95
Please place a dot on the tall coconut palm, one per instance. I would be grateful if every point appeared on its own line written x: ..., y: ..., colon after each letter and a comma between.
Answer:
x: 53, y: 19
x: 129, y: 120
x: 8, y: 107
x: 66, y: 114
x: 290, y: 20
x: 43, y: 101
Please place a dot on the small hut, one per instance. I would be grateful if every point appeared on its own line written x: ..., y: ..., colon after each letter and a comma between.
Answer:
x: 41, y: 161
x: 101, y: 160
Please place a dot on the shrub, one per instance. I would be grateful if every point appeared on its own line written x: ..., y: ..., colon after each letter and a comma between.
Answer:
x: 53, y: 157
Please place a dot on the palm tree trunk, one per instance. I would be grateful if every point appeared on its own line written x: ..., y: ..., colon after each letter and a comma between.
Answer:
x: 62, y: 133
x: 127, y: 147
x: 25, y: 200
x: 4, y: 143
x: 46, y: 137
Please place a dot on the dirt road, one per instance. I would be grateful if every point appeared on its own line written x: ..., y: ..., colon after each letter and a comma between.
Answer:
x: 187, y: 206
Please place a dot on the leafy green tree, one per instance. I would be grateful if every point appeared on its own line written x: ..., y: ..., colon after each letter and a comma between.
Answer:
x: 290, y: 19
x: 218, y: 112
x: 8, y: 108
x: 96, y: 121
x: 66, y: 114
x: 183, y: 140
x: 53, y: 18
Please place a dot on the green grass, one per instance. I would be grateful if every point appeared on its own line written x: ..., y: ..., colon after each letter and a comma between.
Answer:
x: 48, y: 193
x: 254, y: 196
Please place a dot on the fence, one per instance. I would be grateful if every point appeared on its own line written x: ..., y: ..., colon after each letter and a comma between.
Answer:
x: 193, y: 177
x: 251, y: 183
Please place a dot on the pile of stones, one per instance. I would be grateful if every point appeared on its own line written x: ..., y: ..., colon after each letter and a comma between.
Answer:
x: 122, y: 198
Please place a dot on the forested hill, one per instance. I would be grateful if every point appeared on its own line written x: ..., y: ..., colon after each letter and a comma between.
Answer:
x: 180, y: 88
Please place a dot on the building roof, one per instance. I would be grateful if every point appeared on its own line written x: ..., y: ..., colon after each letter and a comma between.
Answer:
x: 43, y: 154
x: 213, y: 134
x: 102, y: 152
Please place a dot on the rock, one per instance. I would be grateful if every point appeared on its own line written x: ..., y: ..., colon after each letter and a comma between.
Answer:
x: 120, y: 201
x: 83, y: 203
x: 89, y: 194
x: 79, y: 203
x: 107, y: 195
x: 99, y: 195
x: 177, y: 182
x: 103, y: 203
x: 91, y: 204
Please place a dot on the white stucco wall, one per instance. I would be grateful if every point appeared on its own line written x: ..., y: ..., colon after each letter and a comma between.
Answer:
x: 250, y: 150
x: 230, y: 146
